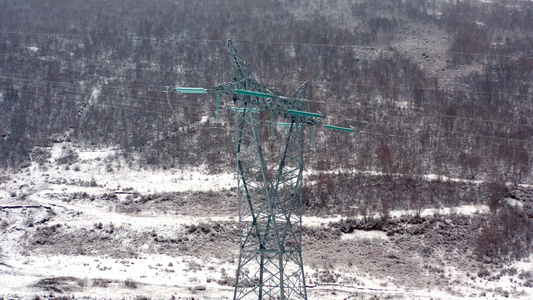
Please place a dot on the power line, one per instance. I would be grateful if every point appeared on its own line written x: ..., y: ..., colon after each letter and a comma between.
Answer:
x: 403, y: 87
x: 338, y: 83
x: 332, y: 104
x: 160, y: 102
x: 135, y: 68
x: 170, y: 114
x: 129, y: 107
x: 122, y: 105
x: 204, y: 40
x: 387, y: 135
x: 74, y: 84
x: 361, y: 107
x: 72, y: 81
x: 147, y: 99
x: 326, y: 83
x: 336, y: 105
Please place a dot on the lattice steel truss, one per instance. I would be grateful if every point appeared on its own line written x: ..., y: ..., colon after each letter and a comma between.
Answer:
x: 270, y: 219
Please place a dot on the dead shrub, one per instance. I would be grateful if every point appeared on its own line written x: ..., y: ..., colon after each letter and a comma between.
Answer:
x: 130, y: 283
x: 327, y: 276
x: 61, y: 284
x: 507, y: 235
x: 103, y: 283
x: 225, y: 279
x: 3, y: 225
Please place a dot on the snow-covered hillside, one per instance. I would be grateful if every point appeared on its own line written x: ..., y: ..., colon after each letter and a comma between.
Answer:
x: 99, y: 228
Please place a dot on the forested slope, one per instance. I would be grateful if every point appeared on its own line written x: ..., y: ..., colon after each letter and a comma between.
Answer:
x: 456, y: 102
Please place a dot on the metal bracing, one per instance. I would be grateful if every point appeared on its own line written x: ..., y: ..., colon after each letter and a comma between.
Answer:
x: 270, y: 217
x: 270, y: 261
x: 270, y: 204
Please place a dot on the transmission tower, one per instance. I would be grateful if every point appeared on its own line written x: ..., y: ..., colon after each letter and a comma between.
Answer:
x: 270, y: 218
x: 269, y: 195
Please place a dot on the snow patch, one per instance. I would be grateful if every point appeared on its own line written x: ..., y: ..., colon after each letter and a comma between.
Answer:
x: 319, y: 221
x: 108, y: 172
x: 364, y: 234
x: 157, y: 275
x: 513, y: 202
x: 402, y: 105
x: 32, y: 49
x: 94, y: 95
x: 95, y: 154
x: 60, y: 150
x: 432, y: 177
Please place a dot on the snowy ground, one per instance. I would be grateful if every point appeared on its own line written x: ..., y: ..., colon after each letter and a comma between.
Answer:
x: 84, y: 229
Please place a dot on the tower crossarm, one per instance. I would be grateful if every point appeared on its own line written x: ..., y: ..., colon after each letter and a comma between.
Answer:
x: 289, y: 108
x: 247, y: 92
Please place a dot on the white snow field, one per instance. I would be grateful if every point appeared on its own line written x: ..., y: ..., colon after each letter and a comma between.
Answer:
x: 62, y: 234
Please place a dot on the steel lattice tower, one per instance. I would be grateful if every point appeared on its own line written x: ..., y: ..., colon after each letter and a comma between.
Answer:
x: 270, y: 218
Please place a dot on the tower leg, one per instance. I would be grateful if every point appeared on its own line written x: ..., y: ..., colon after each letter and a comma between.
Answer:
x: 270, y: 261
